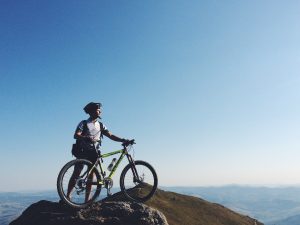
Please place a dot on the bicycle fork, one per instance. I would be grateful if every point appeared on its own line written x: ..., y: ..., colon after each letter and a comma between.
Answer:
x: 133, y: 169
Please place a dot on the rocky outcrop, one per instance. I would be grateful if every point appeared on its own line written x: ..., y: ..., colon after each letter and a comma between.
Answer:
x: 164, y: 206
x: 104, y: 213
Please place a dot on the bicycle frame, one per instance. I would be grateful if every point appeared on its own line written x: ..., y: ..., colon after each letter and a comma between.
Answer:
x: 123, y: 152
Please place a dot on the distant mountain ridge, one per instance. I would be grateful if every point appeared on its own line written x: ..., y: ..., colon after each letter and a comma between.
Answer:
x: 292, y: 220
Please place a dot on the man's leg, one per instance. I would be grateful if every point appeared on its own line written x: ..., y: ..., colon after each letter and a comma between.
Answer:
x: 72, y: 181
x: 89, y: 186
x: 92, y: 157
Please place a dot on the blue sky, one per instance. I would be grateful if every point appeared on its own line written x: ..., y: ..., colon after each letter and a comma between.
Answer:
x: 209, y: 89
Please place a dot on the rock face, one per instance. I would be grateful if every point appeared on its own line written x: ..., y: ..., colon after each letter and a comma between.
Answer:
x: 115, y: 210
x: 104, y: 213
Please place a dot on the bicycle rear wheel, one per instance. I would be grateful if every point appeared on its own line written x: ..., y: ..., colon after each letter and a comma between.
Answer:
x: 142, y: 186
x: 73, y: 181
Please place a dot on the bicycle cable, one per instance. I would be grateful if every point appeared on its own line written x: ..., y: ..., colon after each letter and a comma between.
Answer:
x: 131, y: 148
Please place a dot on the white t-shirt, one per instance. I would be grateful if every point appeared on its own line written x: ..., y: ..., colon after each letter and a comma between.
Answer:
x: 94, y: 130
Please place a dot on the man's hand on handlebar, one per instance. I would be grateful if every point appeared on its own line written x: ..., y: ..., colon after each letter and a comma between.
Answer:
x: 126, y: 142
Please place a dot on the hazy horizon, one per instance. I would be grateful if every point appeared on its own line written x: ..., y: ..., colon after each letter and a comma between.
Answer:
x: 209, y: 89
x: 33, y: 191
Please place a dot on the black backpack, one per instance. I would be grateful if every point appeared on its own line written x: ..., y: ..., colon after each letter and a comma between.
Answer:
x: 77, y: 150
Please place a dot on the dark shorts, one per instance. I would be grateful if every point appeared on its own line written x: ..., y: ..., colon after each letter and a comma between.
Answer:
x: 90, y: 155
x: 89, y: 152
x: 86, y: 151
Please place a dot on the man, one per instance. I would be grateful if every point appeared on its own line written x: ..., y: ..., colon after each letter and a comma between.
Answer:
x: 89, y: 134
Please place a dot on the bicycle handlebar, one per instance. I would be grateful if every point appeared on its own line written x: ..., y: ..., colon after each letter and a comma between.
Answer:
x: 128, y: 142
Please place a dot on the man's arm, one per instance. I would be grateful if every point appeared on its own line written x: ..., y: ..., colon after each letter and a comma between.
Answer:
x: 78, y: 135
x: 79, y: 130
x: 113, y: 137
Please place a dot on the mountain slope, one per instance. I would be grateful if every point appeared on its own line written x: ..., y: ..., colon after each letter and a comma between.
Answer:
x: 188, y: 210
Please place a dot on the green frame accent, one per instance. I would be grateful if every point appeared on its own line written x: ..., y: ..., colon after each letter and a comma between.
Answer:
x: 116, y: 165
x: 111, y: 153
x: 123, y: 153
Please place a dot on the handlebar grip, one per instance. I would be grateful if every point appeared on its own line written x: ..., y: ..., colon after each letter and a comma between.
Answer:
x: 128, y: 142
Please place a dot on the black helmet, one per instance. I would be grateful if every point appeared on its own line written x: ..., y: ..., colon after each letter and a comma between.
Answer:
x: 91, y: 107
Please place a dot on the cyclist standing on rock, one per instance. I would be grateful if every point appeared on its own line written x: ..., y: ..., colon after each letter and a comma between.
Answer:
x: 88, y: 135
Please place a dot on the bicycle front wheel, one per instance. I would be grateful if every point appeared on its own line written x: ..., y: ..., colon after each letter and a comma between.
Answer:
x: 138, y: 182
x: 78, y: 185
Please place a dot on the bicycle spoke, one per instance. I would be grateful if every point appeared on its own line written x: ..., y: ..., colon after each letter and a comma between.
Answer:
x: 74, y: 187
x: 143, y: 186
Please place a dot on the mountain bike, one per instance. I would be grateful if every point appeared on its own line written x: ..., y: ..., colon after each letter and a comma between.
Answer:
x: 138, y: 180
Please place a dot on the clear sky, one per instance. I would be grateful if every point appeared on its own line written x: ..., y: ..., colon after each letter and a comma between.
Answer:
x: 209, y: 89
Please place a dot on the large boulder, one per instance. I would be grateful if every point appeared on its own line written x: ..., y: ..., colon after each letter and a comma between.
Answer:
x: 104, y: 213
